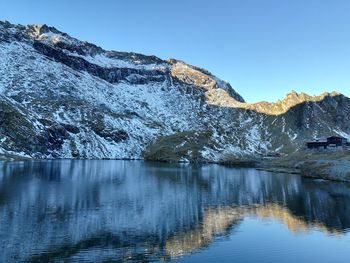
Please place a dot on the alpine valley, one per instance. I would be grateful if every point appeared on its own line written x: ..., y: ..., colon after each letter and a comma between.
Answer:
x: 65, y: 98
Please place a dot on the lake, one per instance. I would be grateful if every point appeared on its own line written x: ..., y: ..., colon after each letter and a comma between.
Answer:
x: 116, y: 211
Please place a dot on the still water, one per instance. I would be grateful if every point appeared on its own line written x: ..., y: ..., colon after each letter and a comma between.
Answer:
x: 116, y: 211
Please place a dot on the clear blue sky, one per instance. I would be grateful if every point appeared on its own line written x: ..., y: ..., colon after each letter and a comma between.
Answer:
x: 264, y: 48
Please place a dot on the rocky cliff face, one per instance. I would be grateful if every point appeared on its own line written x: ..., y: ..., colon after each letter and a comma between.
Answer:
x: 65, y: 98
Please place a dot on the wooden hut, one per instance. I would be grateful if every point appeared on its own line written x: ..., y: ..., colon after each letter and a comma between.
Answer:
x: 316, y: 144
x: 332, y: 141
x: 337, y: 141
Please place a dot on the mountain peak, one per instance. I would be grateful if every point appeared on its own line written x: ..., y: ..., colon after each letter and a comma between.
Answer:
x: 43, y: 32
x: 218, y: 92
x: 302, y: 96
x: 292, y: 99
x: 39, y: 29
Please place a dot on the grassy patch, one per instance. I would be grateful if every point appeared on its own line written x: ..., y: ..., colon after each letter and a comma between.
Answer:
x: 179, y: 146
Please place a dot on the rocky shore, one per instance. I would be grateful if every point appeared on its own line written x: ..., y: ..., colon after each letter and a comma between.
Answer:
x: 326, y: 165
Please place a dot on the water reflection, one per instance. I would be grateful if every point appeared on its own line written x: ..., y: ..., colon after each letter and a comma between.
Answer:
x: 120, y: 210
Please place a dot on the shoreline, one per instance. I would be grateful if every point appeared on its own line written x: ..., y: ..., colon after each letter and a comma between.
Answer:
x: 333, y: 166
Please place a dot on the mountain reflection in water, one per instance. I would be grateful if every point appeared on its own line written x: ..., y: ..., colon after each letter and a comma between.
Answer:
x: 131, y: 210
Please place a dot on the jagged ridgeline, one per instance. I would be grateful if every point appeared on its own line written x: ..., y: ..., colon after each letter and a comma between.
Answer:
x: 65, y: 98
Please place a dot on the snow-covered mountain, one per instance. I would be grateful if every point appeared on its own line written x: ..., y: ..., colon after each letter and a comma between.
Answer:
x: 65, y: 98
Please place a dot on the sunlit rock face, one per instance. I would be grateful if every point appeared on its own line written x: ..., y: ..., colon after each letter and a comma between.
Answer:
x: 65, y: 98
x: 83, y: 209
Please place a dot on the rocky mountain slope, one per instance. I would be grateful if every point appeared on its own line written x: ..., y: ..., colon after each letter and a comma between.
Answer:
x: 65, y: 98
